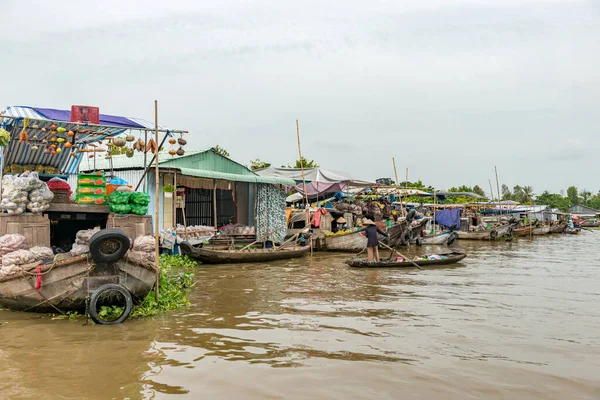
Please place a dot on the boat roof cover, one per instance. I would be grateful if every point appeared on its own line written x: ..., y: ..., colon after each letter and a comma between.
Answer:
x: 319, y: 175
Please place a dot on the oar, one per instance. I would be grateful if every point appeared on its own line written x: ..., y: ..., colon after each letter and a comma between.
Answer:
x: 401, y: 255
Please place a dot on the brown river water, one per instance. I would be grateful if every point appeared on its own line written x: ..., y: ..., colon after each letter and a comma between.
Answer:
x: 514, y: 320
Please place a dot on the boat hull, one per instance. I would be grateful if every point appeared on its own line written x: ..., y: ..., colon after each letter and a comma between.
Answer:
x: 523, y: 231
x: 541, y: 230
x: 69, y: 282
x: 453, y: 258
x: 440, y: 239
x: 210, y: 256
x: 558, y: 228
x: 350, y: 243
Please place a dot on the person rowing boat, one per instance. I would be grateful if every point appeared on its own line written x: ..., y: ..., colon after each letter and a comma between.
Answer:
x: 372, y: 230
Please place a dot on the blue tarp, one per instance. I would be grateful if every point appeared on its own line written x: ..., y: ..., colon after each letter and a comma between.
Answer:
x: 449, y: 218
x: 105, y: 119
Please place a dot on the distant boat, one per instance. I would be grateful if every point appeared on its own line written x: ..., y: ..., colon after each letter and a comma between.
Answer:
x: 541, y: 230
x: 213, y: 256
x: 558, y: 227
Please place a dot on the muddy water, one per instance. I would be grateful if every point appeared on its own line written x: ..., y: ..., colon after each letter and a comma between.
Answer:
x: 513, y: 321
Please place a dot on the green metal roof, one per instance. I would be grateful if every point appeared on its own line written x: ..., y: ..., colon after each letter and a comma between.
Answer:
x: 203, y: 173
x: 207, y: 160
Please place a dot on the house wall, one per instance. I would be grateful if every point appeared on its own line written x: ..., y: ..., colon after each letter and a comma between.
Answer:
x: 241, y: 200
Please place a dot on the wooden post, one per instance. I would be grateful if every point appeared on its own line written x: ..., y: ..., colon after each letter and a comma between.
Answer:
x: 175, y: 199
x: 307, y: 205
x: 157, y: 208
x: 215, y: 203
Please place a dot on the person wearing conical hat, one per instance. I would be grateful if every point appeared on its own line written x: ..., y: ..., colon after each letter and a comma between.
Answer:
x: 341, y: 223
x: 372, y: 240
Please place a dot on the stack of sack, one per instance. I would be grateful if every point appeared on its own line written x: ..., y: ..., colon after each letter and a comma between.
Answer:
x: 25, y: 192
x: 82, y: 241
x: 17, y: 258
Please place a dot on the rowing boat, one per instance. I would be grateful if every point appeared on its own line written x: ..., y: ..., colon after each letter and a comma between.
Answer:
x: 445, y: 259
x: 214, y: 256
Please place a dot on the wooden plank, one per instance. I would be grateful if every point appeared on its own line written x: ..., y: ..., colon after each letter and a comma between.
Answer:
x: 77, y: 208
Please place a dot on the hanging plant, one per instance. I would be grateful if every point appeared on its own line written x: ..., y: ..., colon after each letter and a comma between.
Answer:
x: 169, y: 189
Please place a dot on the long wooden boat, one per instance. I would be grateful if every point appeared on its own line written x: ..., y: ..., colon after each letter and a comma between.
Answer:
x: 443, y: 238
x: 590, y: 224
x: 523, y: 230
x: 213, y: 256
x: 541, y: 230
x: 558, y: 227
x: 68, y: 282
x: 398, y: 236
x: 351, y: 242
x: 505, y: 231
x: 448, y: 258
x: 490, y: 234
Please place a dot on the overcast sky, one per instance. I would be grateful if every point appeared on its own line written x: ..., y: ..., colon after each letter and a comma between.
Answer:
x: 448, y: 88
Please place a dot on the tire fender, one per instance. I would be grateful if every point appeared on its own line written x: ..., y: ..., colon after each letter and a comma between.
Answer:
x: 119, y: 245
x: 111, y: 287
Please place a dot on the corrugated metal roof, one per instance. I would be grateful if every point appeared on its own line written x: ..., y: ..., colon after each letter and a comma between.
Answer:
x: 209, y: 160
x: 202, y: 173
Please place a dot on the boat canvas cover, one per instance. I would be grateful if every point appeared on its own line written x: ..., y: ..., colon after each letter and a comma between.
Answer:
x: 319, y: 175
x: 449, y: 218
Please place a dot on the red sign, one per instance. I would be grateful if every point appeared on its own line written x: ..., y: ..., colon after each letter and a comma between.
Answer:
x: 85, y: 114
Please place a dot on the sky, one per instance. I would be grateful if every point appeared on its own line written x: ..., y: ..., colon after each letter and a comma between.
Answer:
x: 449, y: 88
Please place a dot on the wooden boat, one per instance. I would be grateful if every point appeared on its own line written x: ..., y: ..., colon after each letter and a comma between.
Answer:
x: 541, y: 230
x: 590, y: 224
x: 68, y: 282
x: 505, y: 231
x: 490, y: 234
x: 443, y: 238
x: 213, y: 256
x: 450, y: 258
x: 351, y: 242
x: 398, y: 235
x: 558, y: 227
x: 523, y: 230
x: 572, y: 231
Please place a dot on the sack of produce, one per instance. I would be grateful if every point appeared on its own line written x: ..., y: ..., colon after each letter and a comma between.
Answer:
x: 91, y: 179
x: 90, y: 199
x: 139, y: 198
x: 144, y: 243
x: 58, y: 184
x: 119, y: 208
x: 139, y: 210
x: 43, y: 194
x: 12, y: 242
x: 79, y: 249
x: 84, y: 236
x: 42, y: 252
x: 18, y: 257
x: 21, y: 207
x: 119, y: 197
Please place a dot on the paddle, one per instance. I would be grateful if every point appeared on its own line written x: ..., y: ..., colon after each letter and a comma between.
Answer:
x: 401, y: 255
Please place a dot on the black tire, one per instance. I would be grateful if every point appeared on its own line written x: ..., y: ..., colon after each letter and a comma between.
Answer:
x: 109, y: 245
x: 452, y: 238
x: 105, y: 289
x: 411, y: 216
x: 493, y: 234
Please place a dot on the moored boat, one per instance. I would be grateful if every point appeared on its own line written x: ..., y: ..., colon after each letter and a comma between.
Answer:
x: 558, y: 227
x: 541, y: 230
x: 214, y: 256
x: 490, y: 234
x: 67, y: 283
x: 350, y: 242
x: 436, y: 260
x: 443, y: 238
x: 524, y: 230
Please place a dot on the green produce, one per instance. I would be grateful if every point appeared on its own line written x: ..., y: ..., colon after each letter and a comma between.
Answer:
x: 4, y: 137
x: 139, y: 210
x: 119, y: 197
x: 119, y: 208
x: 139, y: 198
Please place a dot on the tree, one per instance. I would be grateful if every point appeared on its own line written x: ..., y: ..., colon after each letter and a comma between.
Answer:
x: 573, y: 195
x: 219, y: 150
x: 528, y: 194
x: 553, y: 200
x: 301, y: 161
x: 258, y: 164
x: 478, y: 190
x: 506, y: 193
x: 585, y: 196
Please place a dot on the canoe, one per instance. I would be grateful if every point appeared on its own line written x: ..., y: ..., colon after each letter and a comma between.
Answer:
x: 558, y: 228
x: 541, y: 230
x: 523, y: 230
x: 446, y: 237
x: 68, y: 282
x: 451, y: 258
x: 352, y: 243
x: 213, y: 256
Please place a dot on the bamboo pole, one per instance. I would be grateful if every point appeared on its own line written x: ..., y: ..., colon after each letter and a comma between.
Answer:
x: 303, y: 179
x: 492, y: 193
x: 157, y: 208
x: 398, y: 185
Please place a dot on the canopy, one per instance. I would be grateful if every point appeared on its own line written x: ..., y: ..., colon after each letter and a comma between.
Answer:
x: 319, y: 175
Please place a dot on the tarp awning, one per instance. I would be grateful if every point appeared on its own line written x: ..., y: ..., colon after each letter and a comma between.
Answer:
x: 319, y: 175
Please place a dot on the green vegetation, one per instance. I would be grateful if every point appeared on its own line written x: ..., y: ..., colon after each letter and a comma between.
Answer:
x: 259, y: 164
x: 219, y: 150
x: 303, y: 163
x: 176, y: 280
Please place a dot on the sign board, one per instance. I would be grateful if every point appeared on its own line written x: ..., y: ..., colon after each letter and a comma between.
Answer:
x: 85, y: 114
